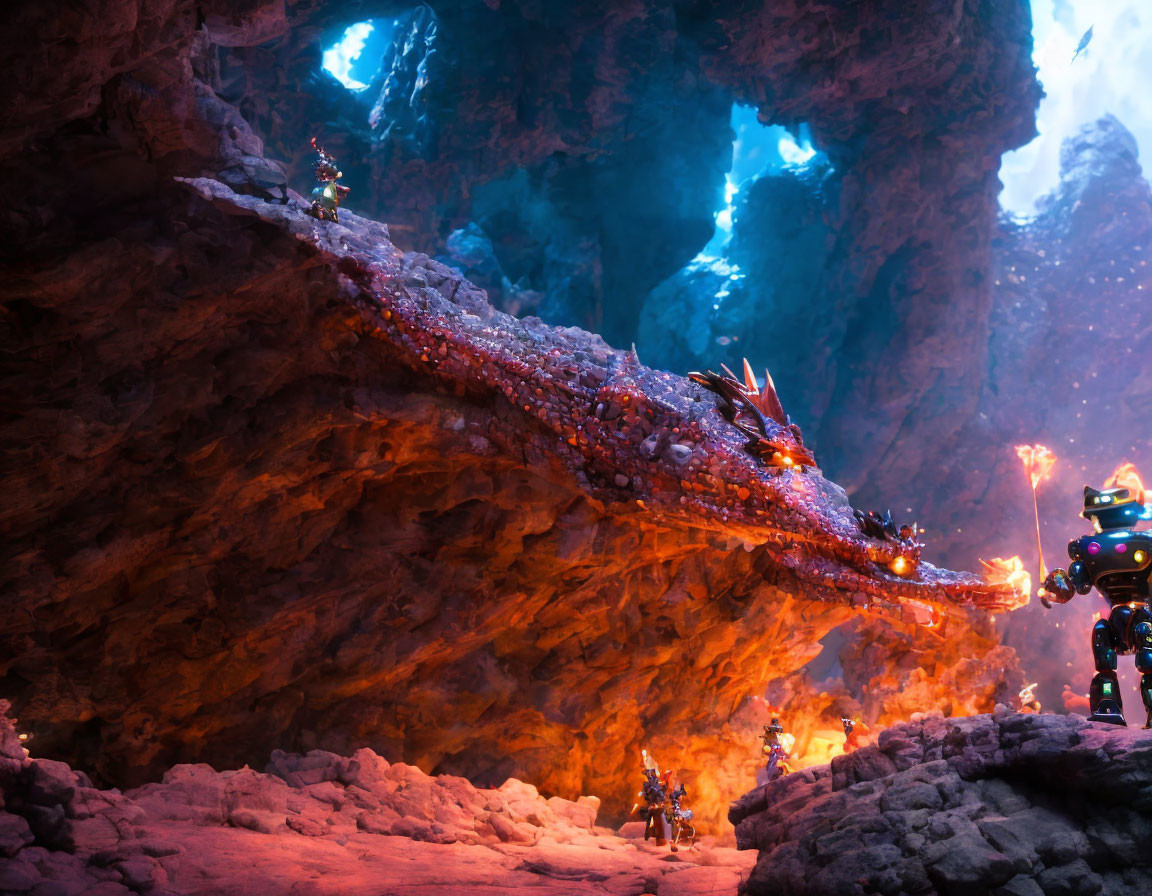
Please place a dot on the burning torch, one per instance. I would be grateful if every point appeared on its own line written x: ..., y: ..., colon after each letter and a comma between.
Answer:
x: 1038, y: 462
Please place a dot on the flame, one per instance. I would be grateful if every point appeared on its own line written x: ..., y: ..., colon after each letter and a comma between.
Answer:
x: 1008, y: 571
x: 1038, y: 462
x: 1028, y: 694
x: 1127, y: 476
x: 787, y: 741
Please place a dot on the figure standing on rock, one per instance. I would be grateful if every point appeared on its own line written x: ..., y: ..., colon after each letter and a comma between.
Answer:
x: 328, y: 194
x: 1117, y: 561
x: 776, y: 750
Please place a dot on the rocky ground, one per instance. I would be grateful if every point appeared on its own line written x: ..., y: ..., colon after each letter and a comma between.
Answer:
x: 322, y: 824
x: 1008, y: 804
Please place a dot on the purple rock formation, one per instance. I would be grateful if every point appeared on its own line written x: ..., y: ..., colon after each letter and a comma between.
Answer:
x: 1007, y: 804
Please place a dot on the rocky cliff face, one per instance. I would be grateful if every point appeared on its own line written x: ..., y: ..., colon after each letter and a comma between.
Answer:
x: 558, y: 129
x: 1006, y: 804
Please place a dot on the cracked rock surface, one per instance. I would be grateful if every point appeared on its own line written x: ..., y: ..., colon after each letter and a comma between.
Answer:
x: 1008, y: 804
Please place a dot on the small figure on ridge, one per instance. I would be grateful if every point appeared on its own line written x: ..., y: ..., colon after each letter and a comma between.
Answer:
x: 328, y: 194
x: 776, y: 747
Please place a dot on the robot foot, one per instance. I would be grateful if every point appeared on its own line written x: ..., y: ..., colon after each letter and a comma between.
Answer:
x: 1108, y: 711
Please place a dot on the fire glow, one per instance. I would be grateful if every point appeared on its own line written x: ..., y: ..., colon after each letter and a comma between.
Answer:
x: 1127, y: 476
x: 1038, y: 461
x: 1008, y: 571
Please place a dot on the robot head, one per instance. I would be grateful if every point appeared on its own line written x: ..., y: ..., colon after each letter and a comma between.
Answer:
x: 1112, y: 508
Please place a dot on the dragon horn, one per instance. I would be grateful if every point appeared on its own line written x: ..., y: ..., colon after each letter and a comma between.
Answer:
x: 769, y: 400
x: 750, y: 378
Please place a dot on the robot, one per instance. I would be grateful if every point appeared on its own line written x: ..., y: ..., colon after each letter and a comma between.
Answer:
x: 1117, y: 561
x: 328, y: 194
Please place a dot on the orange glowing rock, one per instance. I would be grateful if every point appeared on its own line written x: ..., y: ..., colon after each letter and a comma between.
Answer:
x: 1008, y: 571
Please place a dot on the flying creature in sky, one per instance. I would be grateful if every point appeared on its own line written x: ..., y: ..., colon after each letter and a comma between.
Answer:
x: 1084, y: 41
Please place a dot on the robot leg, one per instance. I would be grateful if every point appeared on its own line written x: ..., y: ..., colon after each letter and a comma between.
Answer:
x: 1104, y: 695
x: 1142, y: 643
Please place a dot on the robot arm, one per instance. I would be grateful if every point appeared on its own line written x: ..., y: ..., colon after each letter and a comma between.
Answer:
x: 1079, y: 578
x: 1062, y: 585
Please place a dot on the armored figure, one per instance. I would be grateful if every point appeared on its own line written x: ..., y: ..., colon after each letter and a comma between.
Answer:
x: 776, y: 750
x: 853, y: 731
x: 328, y: 194
x: 665, y: 819
x: 683, y: 830
x: 1117, y: 561
x: 650, y: 807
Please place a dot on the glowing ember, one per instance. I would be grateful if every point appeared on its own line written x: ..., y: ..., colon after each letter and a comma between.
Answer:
x: 1038, y: 462
x: 1126, y: 476
x: 1008, y: 571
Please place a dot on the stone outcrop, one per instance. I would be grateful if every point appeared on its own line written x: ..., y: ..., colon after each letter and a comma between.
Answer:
x: 320, y: 824
x: 1006, y: 804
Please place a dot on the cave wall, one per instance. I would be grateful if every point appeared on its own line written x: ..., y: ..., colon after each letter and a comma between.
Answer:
x: 557, y: 127
x: 874, y: 319
x: 1058, y: 359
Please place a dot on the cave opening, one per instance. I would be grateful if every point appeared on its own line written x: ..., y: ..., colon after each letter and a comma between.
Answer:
x: 757, y: 149
x: 359, y: 56
x: 1092, y: 60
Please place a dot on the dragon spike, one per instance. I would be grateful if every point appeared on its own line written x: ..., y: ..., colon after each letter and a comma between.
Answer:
x: 728, y: 373
x: 769, y: 401
x: 750, y: 378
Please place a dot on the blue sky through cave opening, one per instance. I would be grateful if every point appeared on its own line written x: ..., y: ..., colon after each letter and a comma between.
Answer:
x: 355, y: 59
x: 756, y: 148
x: 1110, y: 76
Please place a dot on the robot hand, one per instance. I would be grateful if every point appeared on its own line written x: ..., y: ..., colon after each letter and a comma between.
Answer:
x: 1058, y: 587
